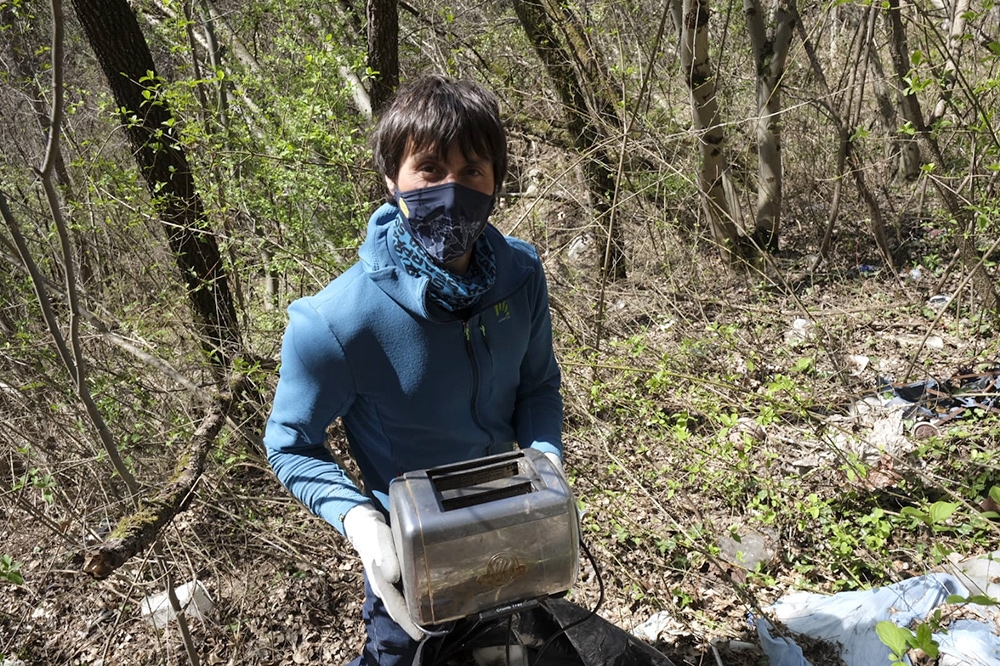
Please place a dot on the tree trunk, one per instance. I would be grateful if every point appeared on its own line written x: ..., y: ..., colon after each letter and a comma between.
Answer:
x: 957, y: 21
x: 700, y: 79
x: 910, y: 159
x: 770, y: 41
x: 584, y: 129
x: 383, y: 52
x: 984, y: 283
x: 899, y: 146
x: 114, y: 34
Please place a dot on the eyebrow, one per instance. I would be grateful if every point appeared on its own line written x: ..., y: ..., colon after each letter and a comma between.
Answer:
x: 421, y: 155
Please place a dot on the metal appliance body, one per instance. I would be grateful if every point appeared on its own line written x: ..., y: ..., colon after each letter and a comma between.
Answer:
x: 477, y: 536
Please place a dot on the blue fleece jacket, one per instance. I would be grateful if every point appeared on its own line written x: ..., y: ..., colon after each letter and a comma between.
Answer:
x: 415, y: 386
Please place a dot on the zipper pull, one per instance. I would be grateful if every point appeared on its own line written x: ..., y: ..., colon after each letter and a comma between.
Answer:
x: 465, y: 331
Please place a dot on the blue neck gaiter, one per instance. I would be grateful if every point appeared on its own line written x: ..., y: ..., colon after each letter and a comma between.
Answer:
x: 449, y: 291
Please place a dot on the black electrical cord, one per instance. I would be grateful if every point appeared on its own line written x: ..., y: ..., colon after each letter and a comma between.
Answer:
x: 470, y: 634
x: 589, y: 615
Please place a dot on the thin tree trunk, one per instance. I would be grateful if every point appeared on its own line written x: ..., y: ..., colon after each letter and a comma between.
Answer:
x: 114, y: 34
x: 957, y: 22
x: 910, y: 159
x: 383, y: 51
x: 900, y: 146
x: 593, y: 73
x: 845, y: 153
x: 700, y: 79
x: 587, y: 135
x: 770, y: 42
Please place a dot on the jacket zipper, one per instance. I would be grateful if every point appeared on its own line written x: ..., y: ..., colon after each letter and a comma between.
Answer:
x: 467, y: 334
x: 486, y: 341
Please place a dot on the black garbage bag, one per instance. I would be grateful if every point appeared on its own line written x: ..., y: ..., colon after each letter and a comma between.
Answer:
x: 555, y: 633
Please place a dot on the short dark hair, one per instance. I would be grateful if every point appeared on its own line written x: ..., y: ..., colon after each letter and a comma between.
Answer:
x: 432, y: 113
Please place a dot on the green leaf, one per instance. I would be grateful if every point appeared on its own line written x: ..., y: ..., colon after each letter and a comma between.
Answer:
x: 941, y: 511
x: 982, y: 600
x: 995, y: 494
x: 925, y: 641
x: 893, y: 636
x: 804, y: 364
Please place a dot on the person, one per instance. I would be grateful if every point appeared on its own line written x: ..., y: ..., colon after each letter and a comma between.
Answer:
x: 434, y: 348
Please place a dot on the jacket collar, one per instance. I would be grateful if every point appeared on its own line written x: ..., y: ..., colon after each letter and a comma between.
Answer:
x: 410, y: 292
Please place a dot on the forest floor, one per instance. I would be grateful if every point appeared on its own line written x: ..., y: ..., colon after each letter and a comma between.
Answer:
x: 711, y: 404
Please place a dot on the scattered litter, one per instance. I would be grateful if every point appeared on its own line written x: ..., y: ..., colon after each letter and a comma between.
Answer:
x: 579, y: 246
x: 661, y: 626
x: 850, y: 618
x: 863, y: 270
x: 878, y: 430
x: 857, y: 363
x: 13, y: 661
x: 933, y: 403
x: 890, y: 421
x: 938, y: 301
x: 914, y: 274
x: 746, y: 548
x: 930, y: 341
x: 800, y: 331
x: 157, y: 611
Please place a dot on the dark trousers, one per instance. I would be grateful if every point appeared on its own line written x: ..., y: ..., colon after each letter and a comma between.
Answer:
x: 387, y: 644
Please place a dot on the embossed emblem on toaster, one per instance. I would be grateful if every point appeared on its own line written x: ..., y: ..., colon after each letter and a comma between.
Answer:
x: 501, y: 570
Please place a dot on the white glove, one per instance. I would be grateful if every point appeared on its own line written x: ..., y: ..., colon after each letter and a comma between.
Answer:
x: 556, y: 461
x: 367, y: 531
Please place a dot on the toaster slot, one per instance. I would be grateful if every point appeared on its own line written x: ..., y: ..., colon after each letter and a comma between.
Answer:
x: 461, y: 486
x: 450, y: 478
x: 463, y: 498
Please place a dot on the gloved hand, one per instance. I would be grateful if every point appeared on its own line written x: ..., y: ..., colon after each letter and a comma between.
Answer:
x: 368, y: 532
x: 556, y: 462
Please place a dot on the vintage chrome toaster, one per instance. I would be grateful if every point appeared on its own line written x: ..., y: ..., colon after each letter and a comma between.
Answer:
x: 482, y: 535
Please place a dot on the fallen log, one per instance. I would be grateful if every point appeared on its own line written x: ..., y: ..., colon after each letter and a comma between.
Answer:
x: 137, y: 532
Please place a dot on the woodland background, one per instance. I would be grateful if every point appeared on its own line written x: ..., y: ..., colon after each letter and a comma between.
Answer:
x: 753, y: 216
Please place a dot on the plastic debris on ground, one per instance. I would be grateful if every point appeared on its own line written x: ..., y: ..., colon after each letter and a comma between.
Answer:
x: 193, y: 598
x: 849, y: 618
x: 936, y: 402
x: 890, y: 421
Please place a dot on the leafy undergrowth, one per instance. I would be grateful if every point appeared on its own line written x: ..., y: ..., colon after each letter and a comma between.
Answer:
x: 702, y: 421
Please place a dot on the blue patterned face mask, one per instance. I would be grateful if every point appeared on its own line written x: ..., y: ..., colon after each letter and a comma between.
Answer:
x: 445, y: 220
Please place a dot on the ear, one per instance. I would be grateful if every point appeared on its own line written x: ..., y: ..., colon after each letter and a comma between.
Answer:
x: 391, y: 185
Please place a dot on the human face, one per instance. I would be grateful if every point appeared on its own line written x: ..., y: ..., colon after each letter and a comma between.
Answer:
x: 423, y: 168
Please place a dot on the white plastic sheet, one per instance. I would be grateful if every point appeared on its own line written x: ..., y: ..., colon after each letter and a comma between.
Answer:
x: 849, y: 618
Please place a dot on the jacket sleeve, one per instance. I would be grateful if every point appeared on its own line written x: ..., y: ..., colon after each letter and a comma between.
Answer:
x: 315, y: 386
x: 538, y: 411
